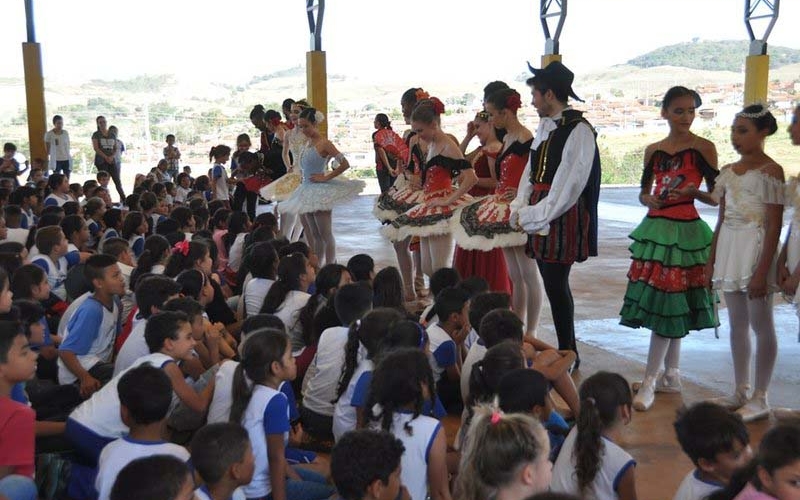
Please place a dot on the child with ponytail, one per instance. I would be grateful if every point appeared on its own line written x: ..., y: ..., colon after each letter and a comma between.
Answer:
x: 289, y: 294
x: 263, y: 410
x: 134, y: 227
x: 505, y: 457
x: 367, y: 333
x: 591, y: 464
x: 401, y: 385
x: 155, y: 253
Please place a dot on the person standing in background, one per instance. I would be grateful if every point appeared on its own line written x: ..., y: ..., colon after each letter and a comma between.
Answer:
x: 173, y: 156
x: 57, y: 143
x: 106, y: 148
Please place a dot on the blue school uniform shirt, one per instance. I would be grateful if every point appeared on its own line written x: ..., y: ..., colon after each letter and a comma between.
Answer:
x: 136, y: 242
x: 18, y: 393
x: 361, y: 392
x: 94, y: 232
x: 267, y: 414
x: 90, y: 336
x: 443, y: 348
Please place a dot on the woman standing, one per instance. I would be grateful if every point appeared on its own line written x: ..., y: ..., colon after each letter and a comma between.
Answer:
x: 105, y: 147
x: 320, y: 191
x: 485, y: 225
x: 667, y: 282
x: 488, y: 264
x: 444, y: 163
x: 57, y: 143
x: 294, y: 142
x: 390, y: 150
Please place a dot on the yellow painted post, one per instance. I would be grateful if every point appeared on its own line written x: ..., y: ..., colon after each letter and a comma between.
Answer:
x: 756, y: 79
x: 34, y: 94
x: 548, y: 58
x: 317, y: 83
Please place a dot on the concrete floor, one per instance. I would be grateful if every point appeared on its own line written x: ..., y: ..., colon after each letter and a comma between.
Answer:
x: 597, y: 288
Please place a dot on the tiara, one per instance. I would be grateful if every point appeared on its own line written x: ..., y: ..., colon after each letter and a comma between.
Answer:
x: 758, y: 114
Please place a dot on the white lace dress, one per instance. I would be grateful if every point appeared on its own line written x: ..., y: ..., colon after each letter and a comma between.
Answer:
x: 741, y: 236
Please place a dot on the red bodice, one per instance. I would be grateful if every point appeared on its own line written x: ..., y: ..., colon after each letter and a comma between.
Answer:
x: 665, y: 168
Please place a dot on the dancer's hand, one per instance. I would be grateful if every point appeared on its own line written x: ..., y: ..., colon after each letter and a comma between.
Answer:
x: 757, y: 288
x: 690, y: 190
x: 789, y: 285
x: 439, y: 202
x: 650, y: 201
x: 508, y: 195
x: 319, y: 178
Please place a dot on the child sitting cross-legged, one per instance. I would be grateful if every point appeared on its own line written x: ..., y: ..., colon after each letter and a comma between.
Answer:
x: 97, y: 421
x: 145, y: 396
x: 223, y: 458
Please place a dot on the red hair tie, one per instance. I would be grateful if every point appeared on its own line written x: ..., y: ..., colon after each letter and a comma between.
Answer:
x: 438, y: 106
x: 182, y: 247
x: 496, y: 417
x: 513, y: 102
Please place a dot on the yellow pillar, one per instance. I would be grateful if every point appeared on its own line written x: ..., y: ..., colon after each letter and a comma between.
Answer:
x: 34, y: 94
x: 756, y: 79
x: 548, y: 58
x: 317, y: 83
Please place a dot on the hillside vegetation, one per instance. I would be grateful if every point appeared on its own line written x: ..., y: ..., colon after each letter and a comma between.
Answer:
x: 722, y: 55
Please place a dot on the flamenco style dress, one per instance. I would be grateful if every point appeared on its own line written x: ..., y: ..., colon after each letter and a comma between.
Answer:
x: 395, y: 149
x: 402, y: 196
x: 424, y: 220
x: 484, y: 225
x: 489, y: 264
x: 666, y: 290
x: 319, y: 196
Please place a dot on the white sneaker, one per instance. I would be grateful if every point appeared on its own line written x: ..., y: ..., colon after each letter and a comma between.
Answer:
x: 755, y: 409
x: 646, y: 396
x: 735, y: 401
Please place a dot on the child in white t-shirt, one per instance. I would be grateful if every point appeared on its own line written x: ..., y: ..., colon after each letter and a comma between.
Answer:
x: 219, y: 175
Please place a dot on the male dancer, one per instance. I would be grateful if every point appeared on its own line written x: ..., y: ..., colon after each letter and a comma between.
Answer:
x: 556, y: 203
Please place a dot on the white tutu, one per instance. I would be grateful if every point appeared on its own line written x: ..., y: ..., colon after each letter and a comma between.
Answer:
x: 738, y: 252
x: 321, y: 196
x: 282, y: 188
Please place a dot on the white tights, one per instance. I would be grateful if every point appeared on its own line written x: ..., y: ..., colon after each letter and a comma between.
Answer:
x: 406, y: 265
x: 436, y: 252
x: 289, y: 227
x: 743, y: 314
x: 319, y: 233
x: 527, y: 297
x: 663, y: 350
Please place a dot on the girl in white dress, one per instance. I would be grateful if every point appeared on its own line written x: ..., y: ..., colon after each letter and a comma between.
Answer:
x: 743, y: 255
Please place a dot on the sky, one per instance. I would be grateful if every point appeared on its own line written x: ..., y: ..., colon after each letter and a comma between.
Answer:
x: 415, y: 40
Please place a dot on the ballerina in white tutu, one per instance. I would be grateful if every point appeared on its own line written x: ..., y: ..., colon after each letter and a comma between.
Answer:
x: 320, y: 189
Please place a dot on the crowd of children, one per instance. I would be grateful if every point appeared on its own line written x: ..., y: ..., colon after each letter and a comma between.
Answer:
x: 180, y: 337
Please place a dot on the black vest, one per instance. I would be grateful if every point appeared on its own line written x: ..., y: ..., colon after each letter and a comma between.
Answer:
x: 546, y: 160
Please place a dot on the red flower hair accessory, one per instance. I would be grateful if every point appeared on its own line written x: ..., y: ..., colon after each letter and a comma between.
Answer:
x: 421, y: 94
x: 496, y: 417
x: 181, y: 247
x: 438, y: 106
x: 513, y: 101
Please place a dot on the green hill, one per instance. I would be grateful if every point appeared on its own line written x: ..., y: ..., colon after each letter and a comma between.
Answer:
x: 723, y: 55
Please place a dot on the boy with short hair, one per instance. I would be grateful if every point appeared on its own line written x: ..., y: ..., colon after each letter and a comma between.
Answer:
x: 85, y: 353
x: 121, y: 250
x: 160, y: 477
x: 145, y: 397
x: 479, y: 307
x: 223, y: 457
x: 352, y: 302
x: 103, y: 178
x: 17, y: 421
x: 365, y: 465
x: 361, y: 268
x: 152, y: 293
x: 97, y: 421
x: 54, y: 257
x: 27, y: 199
x: 718, y: 443
x: 446, y: 341
x: 94, y: 210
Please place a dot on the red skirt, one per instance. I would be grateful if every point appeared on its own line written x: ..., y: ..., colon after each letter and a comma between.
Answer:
x: 490, y: 266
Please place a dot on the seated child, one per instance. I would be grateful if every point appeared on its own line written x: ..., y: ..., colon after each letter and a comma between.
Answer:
x: 145, y: 396
x: 85, y: 353
x: 527, y: 391
x: 17, y: 420
x: 365, y: 465
x: 223, y: 458
x: 171, y: 479
x: 718, y: 443
x: 54, y: 258
x: 97, y: 422
x: 447, y: 337
x: 361, y: 267
x: 352, y: 302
